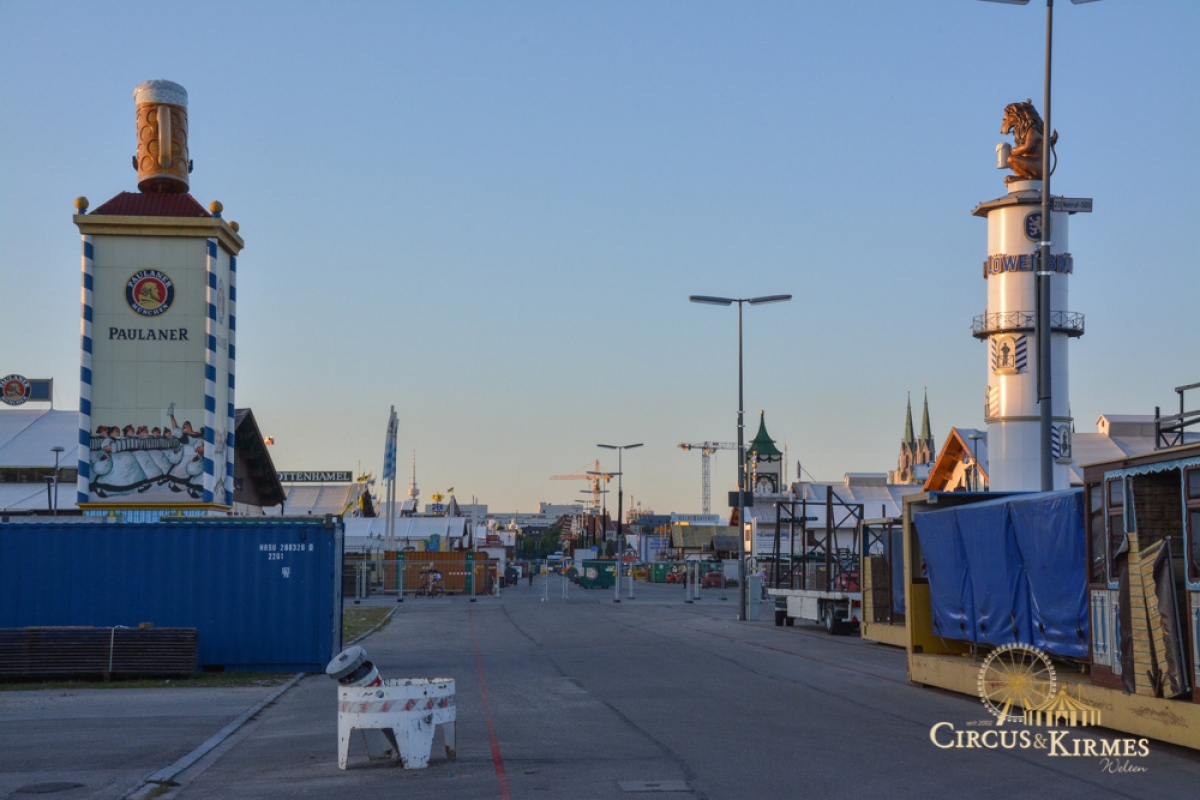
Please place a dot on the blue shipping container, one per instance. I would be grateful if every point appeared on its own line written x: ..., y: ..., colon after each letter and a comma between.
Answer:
x: 264, y: 595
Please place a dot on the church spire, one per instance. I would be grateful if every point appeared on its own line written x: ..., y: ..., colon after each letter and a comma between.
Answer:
x: 925, y: 434
x: 908, y: 438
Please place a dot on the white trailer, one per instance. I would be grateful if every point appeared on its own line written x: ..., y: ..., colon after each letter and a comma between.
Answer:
x: 838, y: 612
x: 811, y: 576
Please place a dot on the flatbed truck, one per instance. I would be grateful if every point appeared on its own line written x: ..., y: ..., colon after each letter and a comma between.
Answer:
x: 838, y: 612
x: 816, y: 578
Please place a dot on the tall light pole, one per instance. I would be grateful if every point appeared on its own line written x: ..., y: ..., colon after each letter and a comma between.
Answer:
x: 975, y: 437
x: 57, y: 452
x: 743, y: 608
x: 620, y: 448
x: 1042, y: 317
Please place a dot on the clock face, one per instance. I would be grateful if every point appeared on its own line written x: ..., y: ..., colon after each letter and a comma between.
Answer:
x: 764, y: 484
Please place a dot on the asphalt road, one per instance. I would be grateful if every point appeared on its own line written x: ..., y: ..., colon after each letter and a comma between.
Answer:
x: 580, y: 698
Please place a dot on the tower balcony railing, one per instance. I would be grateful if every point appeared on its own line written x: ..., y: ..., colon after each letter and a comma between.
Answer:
x: 984, y: 325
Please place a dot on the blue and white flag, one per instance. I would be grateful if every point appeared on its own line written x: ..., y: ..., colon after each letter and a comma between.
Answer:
x: 389, y: 448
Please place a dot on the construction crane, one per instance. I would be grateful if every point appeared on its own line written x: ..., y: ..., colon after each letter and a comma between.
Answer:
x: 584, y: 474
x: 707, y: 449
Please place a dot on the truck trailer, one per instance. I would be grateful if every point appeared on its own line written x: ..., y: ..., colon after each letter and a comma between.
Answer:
x: 816, y: 577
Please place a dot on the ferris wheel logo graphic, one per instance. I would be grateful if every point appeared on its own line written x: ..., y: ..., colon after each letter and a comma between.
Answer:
x: 1015, y: 679
x: 1017, y: 683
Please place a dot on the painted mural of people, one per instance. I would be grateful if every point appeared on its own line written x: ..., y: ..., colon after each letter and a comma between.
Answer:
x: 152, y: 462
x: 100, y: 456
x: 219, y: 466
x: 188, y: 457
x: 119, y: 471
x: 142, y: 459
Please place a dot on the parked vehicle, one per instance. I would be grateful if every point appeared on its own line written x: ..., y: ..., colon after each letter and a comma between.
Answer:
x: 821, y: 582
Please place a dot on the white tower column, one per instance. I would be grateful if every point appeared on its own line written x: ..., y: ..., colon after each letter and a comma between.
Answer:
x: 1008, y: 328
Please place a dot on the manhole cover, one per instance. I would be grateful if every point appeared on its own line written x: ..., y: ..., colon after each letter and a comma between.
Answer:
x: 49, y: 787
x: 654, y: 786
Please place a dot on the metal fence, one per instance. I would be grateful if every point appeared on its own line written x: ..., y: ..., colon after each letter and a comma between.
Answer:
x: 418, y: 574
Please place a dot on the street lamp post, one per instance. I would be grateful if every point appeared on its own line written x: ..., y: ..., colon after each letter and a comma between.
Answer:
x: 975, y: 437
x: 57, y: 451
x: 1042, y: 317
x: 620, y: 448
x: 743, y: 609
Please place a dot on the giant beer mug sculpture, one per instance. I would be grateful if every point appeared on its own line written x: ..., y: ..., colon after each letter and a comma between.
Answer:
x: 162, y: 156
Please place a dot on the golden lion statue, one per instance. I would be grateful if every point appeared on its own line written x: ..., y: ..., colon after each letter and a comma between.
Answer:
x: 1025, y: 160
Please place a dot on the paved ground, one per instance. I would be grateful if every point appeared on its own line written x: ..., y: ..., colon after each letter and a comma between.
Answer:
x: 576, y: 698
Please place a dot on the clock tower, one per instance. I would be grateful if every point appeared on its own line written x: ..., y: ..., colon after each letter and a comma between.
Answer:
x: 765, y: 460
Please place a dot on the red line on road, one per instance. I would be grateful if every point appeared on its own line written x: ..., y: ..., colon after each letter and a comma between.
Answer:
x: 497, y: 759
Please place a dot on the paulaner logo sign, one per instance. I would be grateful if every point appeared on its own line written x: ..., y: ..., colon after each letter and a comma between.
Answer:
x: 1031, y: 710
x: 15, y: 389
x: 149, y: 293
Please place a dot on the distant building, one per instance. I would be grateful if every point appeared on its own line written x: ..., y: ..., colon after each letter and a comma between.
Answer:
x: 343, y: 498
x: 558, y: 509
x: 766, y: 461
x: 702, y: 541
x: 420, y: 534
x: 963, y: 463
x: 962, y: 466
x: 871, y: 490
x: 917, y: 453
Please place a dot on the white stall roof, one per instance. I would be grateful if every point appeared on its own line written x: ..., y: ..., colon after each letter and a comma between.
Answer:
x: 318, y: 499
x: 370, y: 533
x: 26, y: 436
x: 26, y: 439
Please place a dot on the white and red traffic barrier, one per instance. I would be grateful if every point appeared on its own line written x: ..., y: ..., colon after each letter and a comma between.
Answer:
x: 396, y: 717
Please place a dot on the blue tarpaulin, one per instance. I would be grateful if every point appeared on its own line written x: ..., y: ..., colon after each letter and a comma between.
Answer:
x: 950, y: 593
x: 1001, y: 591
x: 1050, y: 536
x: 896, y: 556
x: 1010, y: 570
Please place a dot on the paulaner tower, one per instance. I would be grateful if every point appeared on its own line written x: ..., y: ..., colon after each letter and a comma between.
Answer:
x: 157, y: 332
x: 1014, y: 230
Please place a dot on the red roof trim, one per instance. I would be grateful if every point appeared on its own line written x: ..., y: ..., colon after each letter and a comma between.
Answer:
x: 142, y: 204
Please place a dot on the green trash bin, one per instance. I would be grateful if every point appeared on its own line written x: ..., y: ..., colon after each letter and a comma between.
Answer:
x: 598, y: 574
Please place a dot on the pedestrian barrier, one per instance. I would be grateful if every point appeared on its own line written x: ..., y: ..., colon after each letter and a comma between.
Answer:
x: 396, y: 717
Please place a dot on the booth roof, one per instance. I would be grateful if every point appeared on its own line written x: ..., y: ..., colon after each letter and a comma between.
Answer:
x: 151, y: 204
x: 26, y: 436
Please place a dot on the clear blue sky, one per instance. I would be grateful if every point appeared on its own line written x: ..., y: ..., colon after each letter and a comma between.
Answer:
x: 491, y: 215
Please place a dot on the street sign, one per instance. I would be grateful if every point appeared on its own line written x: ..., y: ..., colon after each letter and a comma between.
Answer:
x: 1071, y: 205
x: 747, y: 499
